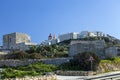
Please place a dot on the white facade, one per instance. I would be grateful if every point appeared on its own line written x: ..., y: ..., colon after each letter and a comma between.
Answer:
x: 46, y: 42
x: 98, y: 33
x: 68, y: 36
x: 91, y: 34
x: 85, y: 34
x: 53, y: 40
x: 50, y: 42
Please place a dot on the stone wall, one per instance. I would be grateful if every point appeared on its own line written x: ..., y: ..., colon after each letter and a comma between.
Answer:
x: 57, y: 61
x: 75, y: 73
x: 96, y: 46
x: 15, y: 63
x: 50, y: 77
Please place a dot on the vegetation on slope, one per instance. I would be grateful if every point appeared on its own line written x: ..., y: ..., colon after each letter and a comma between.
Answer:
x: 99, y: 66
x: 82, y: 62
x: 79, y: 62
x: 108, y: 65
x: 57, y: 50
x: 30, y: 70
x: 50, y: 50
x: 38, y: 52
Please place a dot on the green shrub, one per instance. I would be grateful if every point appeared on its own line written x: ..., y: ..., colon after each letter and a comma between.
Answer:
x: 30, y: 70
x: 35, y: 56
x: 17, y: 55
x: 81, y: 62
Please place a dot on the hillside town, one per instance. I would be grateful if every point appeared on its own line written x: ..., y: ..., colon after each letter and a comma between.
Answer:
x: 59, y: 39
x: 71, y: 54
x: 22, y: 42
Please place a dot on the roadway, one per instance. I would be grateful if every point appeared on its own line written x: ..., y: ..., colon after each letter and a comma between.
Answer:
x: 105, y: 76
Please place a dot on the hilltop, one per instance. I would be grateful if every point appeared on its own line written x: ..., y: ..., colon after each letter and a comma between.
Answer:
x: 62, y: 48
x: 78, y: 62
x: 83, y: 36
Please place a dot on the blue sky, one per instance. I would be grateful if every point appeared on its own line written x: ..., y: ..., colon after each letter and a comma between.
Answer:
x: 39, y: 18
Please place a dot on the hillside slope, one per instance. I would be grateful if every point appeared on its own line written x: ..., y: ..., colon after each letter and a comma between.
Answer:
x: 109, y: 65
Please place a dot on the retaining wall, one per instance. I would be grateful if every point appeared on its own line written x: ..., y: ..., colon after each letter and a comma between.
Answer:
x: 15, y: 63
x: 75, y: 73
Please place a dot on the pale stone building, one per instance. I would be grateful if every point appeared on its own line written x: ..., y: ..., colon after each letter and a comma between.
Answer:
x: 17, y: 40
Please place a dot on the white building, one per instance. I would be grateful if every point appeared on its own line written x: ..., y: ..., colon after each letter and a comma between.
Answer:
x: 46, y: 42
x: 85, y: 34
x: 51, y: 40
x: 68, y: 36
x: 99, y: 33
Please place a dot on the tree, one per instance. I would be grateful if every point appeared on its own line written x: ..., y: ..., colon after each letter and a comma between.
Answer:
x: 82, y: 60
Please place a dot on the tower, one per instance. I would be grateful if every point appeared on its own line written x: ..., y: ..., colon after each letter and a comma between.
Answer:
x: 50, y: 37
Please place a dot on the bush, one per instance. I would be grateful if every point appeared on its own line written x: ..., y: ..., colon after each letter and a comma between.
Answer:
x: 16, y: 55
x: 61, y: 54
x: 81, y: 62
x: 35, y: 56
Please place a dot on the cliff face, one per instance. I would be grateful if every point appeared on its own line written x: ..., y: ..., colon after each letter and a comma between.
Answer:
x: 107, y: 66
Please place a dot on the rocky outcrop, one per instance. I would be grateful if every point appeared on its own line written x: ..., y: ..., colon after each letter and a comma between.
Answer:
x: 108, y: 66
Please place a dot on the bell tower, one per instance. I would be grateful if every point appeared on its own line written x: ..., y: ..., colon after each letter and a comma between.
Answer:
x: 50, y: 37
